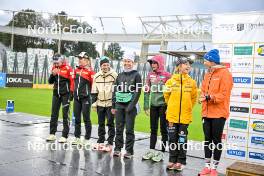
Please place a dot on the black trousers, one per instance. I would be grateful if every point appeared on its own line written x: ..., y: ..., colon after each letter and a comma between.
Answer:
x: 158, y: 114
x: 125, y: 119
x: 178, y: 143
x: 105, y: 113
x: 82, y: 106
x: 213, y: 130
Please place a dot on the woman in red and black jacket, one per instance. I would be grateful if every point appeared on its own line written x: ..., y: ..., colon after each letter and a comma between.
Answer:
x: 62, y: 78
x: 83, y: 78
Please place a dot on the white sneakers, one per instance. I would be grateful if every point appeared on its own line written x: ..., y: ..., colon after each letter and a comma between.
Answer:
x: 62, y: 140
x: 51, y: 138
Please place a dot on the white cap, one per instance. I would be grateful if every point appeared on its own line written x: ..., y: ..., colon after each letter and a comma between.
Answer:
x: 129, y: 57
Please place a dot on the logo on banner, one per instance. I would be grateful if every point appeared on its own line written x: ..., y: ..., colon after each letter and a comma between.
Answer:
x: 239, y: 109
x: 258, y: 111
x: 255, y: 155
x: 239, y: 153
x: 241, y: 124
x: 236, y: 138
x: 241, y: 95
x: 243, y: 80
x: 259, y: 96
x: 243, y: 50
x: 258, y: 126
x: 242, y: 64
x: 258, y: 80
x: 260, y: 50
x: 257, y: 140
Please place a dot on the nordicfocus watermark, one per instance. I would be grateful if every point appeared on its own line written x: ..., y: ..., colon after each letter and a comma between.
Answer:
x: 190, y: 146
x: 59, y: 29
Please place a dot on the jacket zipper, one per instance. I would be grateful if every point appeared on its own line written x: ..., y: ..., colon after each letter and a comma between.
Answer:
x: 79, y: 85
x: 67, y: 86
x: 59, y: 84
x: 207, y: 93
x: 180, y: 101
x: 104, y: 91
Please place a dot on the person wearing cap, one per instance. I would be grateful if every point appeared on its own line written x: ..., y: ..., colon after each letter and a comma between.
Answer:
x: 126, y: 94
x: 180, y: 95
x: 102, y: 101
x: 156, y: 106
x: 83, y: 79
x: 62, y: 79
x: 215, y: 98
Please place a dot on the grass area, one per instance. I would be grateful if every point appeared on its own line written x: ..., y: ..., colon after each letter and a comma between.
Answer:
x: 38, y: 101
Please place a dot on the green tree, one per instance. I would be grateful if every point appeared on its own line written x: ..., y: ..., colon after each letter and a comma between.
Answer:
x: 114, y: 51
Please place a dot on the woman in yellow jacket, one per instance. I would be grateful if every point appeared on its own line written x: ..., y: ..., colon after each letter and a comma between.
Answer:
x: 180, y: 96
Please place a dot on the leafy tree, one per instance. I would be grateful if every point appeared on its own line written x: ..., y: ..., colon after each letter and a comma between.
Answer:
x: 114, y: 51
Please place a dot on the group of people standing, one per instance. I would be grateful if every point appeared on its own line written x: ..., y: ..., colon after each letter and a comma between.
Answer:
x: 168, y: 100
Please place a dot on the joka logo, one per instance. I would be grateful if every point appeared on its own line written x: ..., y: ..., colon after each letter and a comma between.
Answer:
x: 14, y: 80
x: 255, y: 155
x: 239, y: 109
x: 239, y: 153
x: 241, y: 124
x: 241, y: 95
x: 260, y: 50
x: 258, y: 80
x: 258, y: 111
x: 243, y: 80
x: 258, y: 126
x: 240, y: 27
x: 257, y: 140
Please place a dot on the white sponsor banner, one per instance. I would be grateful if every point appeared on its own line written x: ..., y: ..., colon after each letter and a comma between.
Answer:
x: 258, y: 96
x: 257, y: 111
x: 242, y: 80
x: 258, y: 81
x: 259, y: 65
x: 238, y: 27
x: 242, y: 65
x: 225, y: 50
x: 239, y: 109
x: 241, y: 95
x: 238, y: 153
x: 256, y: 126
x: 259, y: 50
x: 237, y: 138
x: 238, y: 124
x: 256, y: 141
x: 256, y: 156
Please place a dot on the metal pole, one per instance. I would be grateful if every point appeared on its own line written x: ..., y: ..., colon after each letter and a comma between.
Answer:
x: 12, y: 35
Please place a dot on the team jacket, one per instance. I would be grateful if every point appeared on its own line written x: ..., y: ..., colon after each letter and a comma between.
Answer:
x: 102, y: 88
x: 83, y: 79
x: 218, y: 84
x: 63, y: 81
x: 180, y: 96
x: 154, y: 85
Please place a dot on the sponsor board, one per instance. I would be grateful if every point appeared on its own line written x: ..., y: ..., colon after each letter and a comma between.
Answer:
x: 243, y: 50
x: 256, y: 155
x: 238, y: 153
x: 256, y: 141
x: 2, y: 79
x: 258, y: 81
x: 258, y: 65
x: 256, y: 126
x: 237, y: 138
x: 238, y: 124
x: 242, y: 65
x: 225, y: 50
x: 257, y: 111
x: 258, y: 96
x: 239, y: 109
x: 240, y: 95
x: 259, y: 50
x: 242, y: 80
x: 19, y: 80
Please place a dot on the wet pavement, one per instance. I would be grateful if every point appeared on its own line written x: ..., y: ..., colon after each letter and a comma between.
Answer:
x: 24, y: 151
